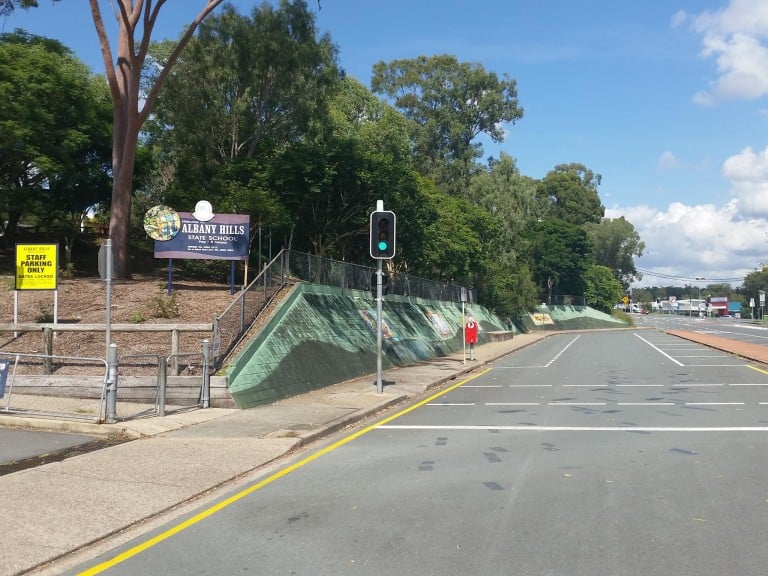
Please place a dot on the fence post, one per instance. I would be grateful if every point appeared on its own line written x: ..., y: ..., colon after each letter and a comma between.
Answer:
x: 206, y: 375
x: 48, y: 350
x: 162, y: 381
x: 112, y: 384
x: 175, y: 352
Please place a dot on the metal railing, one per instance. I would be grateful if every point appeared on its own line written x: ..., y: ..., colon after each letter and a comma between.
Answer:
x: 75, y: 397
x: 290, y: 266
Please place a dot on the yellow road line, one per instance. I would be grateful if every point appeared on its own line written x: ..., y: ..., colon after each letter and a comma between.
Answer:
x: 98, y: 569
x: 757, y: 369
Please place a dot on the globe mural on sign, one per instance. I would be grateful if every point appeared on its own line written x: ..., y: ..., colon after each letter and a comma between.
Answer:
x: 162, y: 223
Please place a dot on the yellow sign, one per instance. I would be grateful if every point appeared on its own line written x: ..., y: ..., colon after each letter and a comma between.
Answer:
x: 37, y: 266
x: 625, y: 300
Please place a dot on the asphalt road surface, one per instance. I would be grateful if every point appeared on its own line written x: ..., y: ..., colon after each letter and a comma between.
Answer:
x: 25, y: 448
x: 604, y: 453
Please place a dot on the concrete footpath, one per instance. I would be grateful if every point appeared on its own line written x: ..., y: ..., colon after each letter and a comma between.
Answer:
x: 60, y: 514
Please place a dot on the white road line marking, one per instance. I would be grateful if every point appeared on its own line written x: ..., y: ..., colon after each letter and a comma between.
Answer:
x: 481, y: 386
x: 576, y: 404
x: 450, y: 404
x: 660, y: 351
x: 645, y: 403
x: 530, y: 385
x: 583, y: 385
x: 750, y: 384
x: 694, y: 385
x: 714, y: 403
x: 513, y: 404
x: 562, y: 351
x: 713, y: 365
x: 639, y: 385
x: 577, y: 428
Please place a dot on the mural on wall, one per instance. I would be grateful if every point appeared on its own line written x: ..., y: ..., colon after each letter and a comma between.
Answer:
x: 369, y: 316
x: 438, y: 322
x: 541, y: 318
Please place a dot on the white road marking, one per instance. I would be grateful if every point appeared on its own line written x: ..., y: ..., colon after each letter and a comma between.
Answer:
x: 694, y: 385
x: 645, y: 403
x: 530, y: 385
x: 750, y: 384
x: 576, y: 403
x: 639, y: 385
x: 579, y: 428
x: 714, y: 403
x: 562, y: 351
x: 659, y: 350
x: 481, y: 386
x: 513, y: 404
x: 450, y: 404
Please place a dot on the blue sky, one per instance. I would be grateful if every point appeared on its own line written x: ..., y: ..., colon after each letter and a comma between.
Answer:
x: 666, y: 99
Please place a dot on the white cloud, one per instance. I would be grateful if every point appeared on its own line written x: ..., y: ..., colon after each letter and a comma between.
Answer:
x: 667, y: 161
x: 686, y: 242
x: 748, y: 173
x: 736, y: 37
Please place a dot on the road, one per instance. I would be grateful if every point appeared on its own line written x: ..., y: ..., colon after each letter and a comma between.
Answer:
x: 744, y: 330
x: 21, y: 449
x: 602, y: 453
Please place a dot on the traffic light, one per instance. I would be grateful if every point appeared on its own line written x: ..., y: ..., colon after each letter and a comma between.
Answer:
x: 382, y: 234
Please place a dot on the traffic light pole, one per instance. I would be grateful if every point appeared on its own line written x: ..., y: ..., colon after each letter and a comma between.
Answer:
x: 379, y: 383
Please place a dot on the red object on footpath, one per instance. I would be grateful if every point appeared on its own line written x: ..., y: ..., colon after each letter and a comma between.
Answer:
x: 470, y: 332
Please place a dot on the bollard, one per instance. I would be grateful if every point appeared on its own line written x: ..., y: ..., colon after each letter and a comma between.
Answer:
x: 206, y: 374
x: 112, y: 384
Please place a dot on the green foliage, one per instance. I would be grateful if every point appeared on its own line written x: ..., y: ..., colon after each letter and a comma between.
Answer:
x: 616, y: 243
x: 571, y: 193
x: 138, y: 317
x: 559, y: 254
x: 449, y: 104
x: 55, y: 147
x: 602, y: 289
x: 754, y: 282
x: 163, y: 306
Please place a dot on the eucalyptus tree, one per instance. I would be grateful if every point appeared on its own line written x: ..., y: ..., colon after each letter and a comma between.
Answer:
x: 570, y: 193
x: 616, y: 243
x: 247, y: 89
x: 559, y: 254
x: 450, y: 103
x: 511, y: 199
x: 331, y: 180
x: 125, y: 68
x: 54, y: 135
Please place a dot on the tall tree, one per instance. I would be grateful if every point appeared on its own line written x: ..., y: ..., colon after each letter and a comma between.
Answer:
x: 245, y: 89
x: 616, y: 243
x: 450, y: 104
x: 54, y: 134
x: 130, y: 105
x: 559, y: 256
x: 602, y: 289
x: 570, y: 190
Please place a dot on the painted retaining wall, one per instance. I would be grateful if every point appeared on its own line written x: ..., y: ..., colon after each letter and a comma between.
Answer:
x: 321, y: 335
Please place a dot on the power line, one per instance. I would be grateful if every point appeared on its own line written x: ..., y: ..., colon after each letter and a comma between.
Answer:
x: 685, y: 279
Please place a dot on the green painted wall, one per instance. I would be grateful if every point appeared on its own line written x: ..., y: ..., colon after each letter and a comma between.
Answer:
x: 321, y: 335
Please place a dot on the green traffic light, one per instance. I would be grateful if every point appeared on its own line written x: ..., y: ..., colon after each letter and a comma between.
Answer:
x: 382, y: 246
